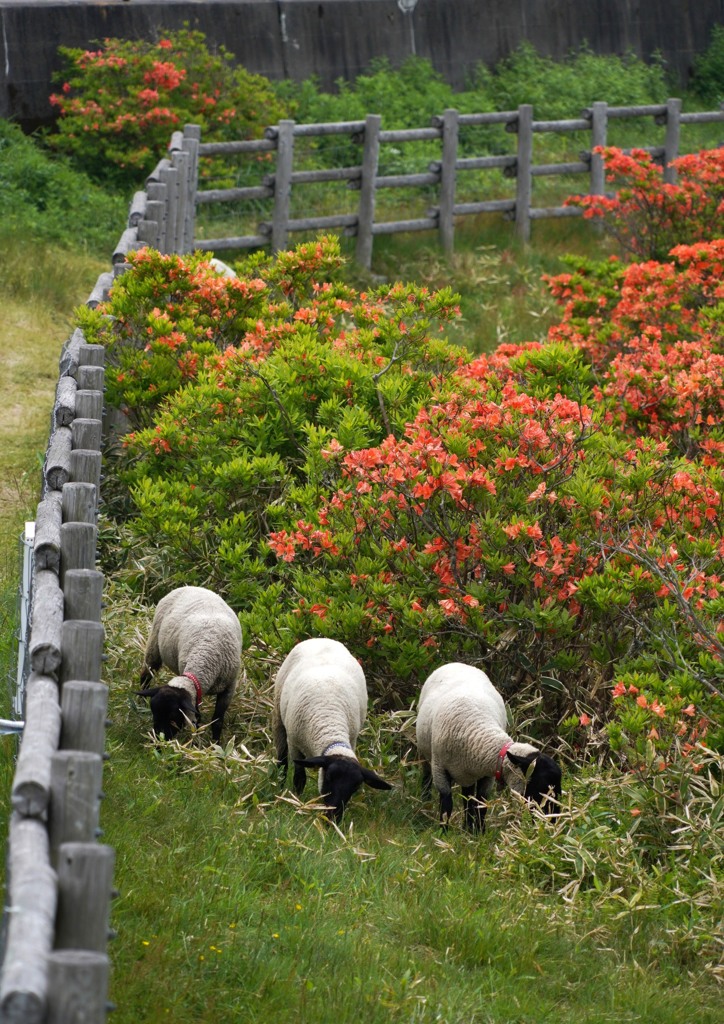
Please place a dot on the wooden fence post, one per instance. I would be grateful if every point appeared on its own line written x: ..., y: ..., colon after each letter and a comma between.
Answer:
x: 77, y: 987
x: 192, y: 139
x: 282, y: 185
x: 75, y: 794
x: 82, y: 650
x: 169, y: 178
x: 91, y: 355
x: 79, y: 503
x: 448, y: 179
x: 366, y: 208
x: 524, y: 179
x: 78, y: 543
x: 85, y: 877
x: 32, y: 896
x: 180, y: 162
x: 157, y: 212
x: 599, y: 133
x: 671, y: 143
x: 86, y: 433
x: 89, y: 404
x: 84, y: 706
x: 85, y: 466
x: 83, y: 592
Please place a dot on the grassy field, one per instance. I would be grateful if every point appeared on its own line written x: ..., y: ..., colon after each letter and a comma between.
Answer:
x: 238, y: 904
x: 40, y: 285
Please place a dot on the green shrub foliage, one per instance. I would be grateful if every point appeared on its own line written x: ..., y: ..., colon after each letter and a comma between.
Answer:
x: 40, y: 197
x: 708, y: 72
x: 552, y: 511
x: 119, y: 104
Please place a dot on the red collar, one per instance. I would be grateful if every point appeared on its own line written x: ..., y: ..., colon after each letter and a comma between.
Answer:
x: 499, y: 763
x: 197, y: 685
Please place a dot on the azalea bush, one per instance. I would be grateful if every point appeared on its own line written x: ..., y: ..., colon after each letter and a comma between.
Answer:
x: 119, y: 104
x: 329, y: 462
x: 648, y: 216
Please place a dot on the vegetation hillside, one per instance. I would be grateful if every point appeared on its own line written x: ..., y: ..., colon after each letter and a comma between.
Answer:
x: 347, y: 457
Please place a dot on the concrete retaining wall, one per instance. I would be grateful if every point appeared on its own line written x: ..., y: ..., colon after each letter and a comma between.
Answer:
x: 337, y: 38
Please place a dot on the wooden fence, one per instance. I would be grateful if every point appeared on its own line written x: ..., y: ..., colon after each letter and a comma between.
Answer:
x: 59, y: 876
x: 443, y: 174
x: 164, y: 215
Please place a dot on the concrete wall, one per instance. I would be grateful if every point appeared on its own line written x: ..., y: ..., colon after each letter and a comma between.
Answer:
x: 338, y: 38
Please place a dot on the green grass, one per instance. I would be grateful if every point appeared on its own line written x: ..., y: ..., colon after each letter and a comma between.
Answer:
x: 238, y: 903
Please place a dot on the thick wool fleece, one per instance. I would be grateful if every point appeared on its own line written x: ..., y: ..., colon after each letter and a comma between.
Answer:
x: 461, y: 728
x: 320, y: 700
x: 195, y: 631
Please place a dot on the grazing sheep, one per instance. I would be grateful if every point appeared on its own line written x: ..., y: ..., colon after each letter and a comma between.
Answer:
x: 221, y: 268
x: 320, y: 705
x: 197, y: 635
x: 462, y: 738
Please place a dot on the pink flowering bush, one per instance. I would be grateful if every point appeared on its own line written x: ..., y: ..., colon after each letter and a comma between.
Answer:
x: 649, y: 216
x: 119, y: 104
x: 551, y: 511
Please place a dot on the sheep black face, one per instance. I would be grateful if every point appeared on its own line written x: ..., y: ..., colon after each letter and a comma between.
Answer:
x: 341, y: 778
x: 172, y: 709
x: 542, y: 781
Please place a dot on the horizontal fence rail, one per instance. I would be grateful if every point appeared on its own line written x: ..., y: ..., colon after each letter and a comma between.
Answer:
x: 443, y: 174
x: 59, y: 877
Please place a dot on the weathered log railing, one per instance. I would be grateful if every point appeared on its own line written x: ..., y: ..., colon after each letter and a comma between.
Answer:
x: 59, y: 877
x: 443, y: 174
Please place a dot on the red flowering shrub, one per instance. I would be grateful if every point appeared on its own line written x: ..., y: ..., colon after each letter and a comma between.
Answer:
x: 118, y: 105
x: 552, y: 511
x: 649, y: 216
x: 653, y: 333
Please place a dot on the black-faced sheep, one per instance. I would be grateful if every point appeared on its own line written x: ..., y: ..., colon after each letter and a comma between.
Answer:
x: 320, y: 705
x: 198, y: 636
x: 462, y: 738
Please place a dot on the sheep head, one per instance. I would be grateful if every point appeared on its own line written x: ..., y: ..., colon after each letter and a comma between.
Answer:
x: 341, y: 778
x: 172, y: 709
x: 542, y: 780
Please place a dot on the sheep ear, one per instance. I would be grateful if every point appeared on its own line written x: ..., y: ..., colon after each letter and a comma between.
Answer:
x: 374, y: 780
x: 312, y: 762
x: 148, y: 693
x: 525, y: 762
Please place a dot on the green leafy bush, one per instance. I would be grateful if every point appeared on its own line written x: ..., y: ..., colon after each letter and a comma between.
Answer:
x: 339, y: 471
x: 708, y: 72
x: 47, y: 199
x: 649, y: 216
x: 559, y: 89
x: 118, y: 105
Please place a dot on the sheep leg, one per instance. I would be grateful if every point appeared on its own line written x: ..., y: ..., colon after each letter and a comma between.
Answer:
x: 151, y: 659
x: 223, y: 700
x: 300, y: 779
x: 471, y: 807
x: 477, y: 805
x: 426, y: 780
x: 281, y: 745
x: 443, y: 784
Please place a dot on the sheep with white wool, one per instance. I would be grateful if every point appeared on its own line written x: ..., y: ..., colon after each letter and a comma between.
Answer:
x: 462, y: 738
x: 320, y: 705
x: 198, y: 636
